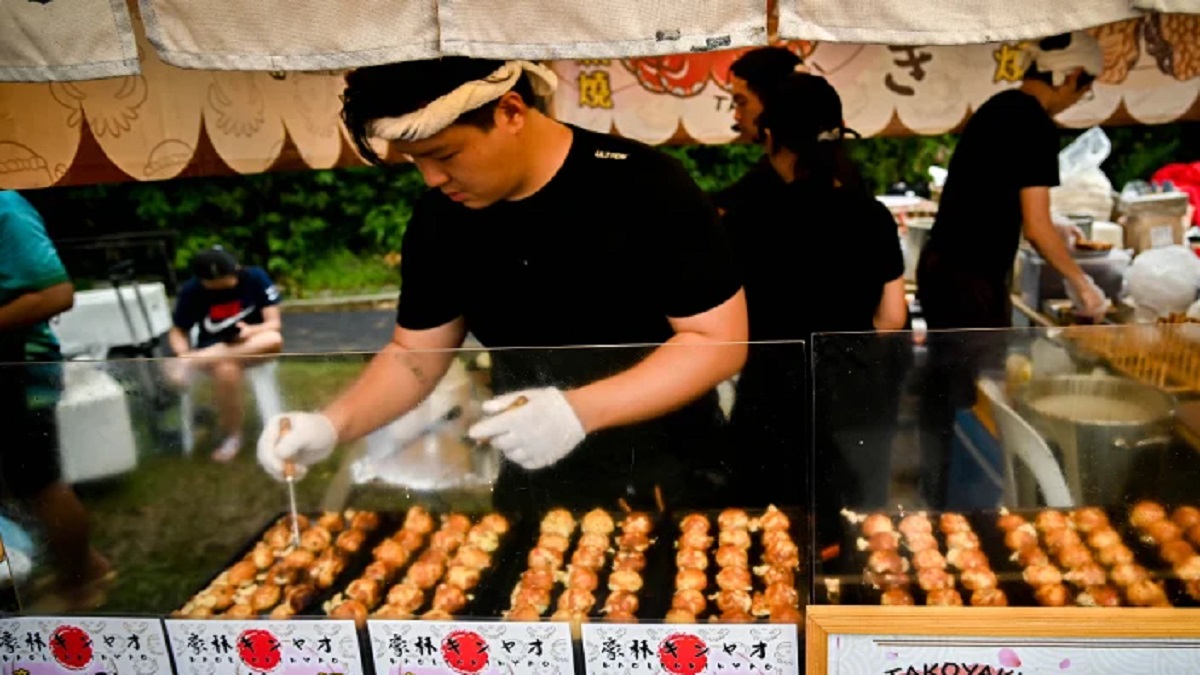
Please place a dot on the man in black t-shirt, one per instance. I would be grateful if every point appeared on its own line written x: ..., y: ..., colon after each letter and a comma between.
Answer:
x: 539, y: 234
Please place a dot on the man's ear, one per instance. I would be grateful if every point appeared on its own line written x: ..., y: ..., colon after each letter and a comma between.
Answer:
x: 511, y: 112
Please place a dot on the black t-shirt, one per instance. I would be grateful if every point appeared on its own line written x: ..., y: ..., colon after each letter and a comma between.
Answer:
x: 1009, y: 144
x: 217, y: 312
x: 755, y: 184
x: 620, y: 239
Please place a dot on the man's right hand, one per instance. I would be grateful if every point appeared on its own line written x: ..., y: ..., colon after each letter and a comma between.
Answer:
x: 310, y: 439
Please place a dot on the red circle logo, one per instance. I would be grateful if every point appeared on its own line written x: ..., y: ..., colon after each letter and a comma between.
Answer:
x: 465, y: 652
x: 683, y: 654
x: 71, y: 647
x: 259, y: 650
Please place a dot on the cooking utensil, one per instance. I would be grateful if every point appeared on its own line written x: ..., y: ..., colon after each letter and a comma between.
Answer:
x: 521, y: 400
x: 1105, y: 429
x: 289, y: 477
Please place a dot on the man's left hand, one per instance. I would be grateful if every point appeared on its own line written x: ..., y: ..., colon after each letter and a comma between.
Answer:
x: 535, y: 434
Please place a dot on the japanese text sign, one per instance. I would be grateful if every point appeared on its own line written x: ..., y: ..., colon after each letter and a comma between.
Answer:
x: 324, y: 647
x: 82, y: 645
x: 691, y: 649
x: 471, y: 648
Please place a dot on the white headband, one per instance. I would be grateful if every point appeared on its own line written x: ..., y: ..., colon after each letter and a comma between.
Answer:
x: 1083, y: 52
x: 441, y: 113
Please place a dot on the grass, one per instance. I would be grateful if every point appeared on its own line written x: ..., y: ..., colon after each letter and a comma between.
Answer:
x: 344, y: 273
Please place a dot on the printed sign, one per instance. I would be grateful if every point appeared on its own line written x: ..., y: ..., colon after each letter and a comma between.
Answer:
x: 82, y: 646
x: 471, y: 648
x: 744, y: 649
x: 906, y: 655
x: 325, y: 647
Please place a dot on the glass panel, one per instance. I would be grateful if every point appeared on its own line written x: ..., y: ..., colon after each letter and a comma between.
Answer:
x: 969, y: 434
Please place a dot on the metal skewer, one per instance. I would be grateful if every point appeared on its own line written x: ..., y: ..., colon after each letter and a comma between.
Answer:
x: 289, y: 477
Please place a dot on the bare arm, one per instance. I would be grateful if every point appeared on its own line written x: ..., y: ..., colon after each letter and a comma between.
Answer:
x: 691, y: 363
x: 397, y: 379
x: 178, y: 339
x: 1039, y: 229
x: 892, y: 312
x: 272, y: 321
x: 35, y: 307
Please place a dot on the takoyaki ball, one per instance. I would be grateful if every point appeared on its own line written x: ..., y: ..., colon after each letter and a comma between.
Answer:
x: 1103, y: 538
x: 1176, y: 552
x: 782, y: 554
x: 263, y: 556
x: 738, y: 538
x: 333, y: 522
x: 425, y: 575
x: 436, y: 614
x: 576, y: 600
x: 593, y: 540
x: 692, y: 602
x: 591, y: 558
x: 282, y: 613
x: 776, y: 575
x: 418, y: 520
x: 733, y: 519
x: 1031, y: 557
x: 1058, y: 539
x: 779, y: 594
x: 351, y: 541
x: 367, y: 521
x: 691, y: 559
x: 637, y: 523
x: 897, y: 597
x: 886, y: 562
x: 1146, y: 512
x: 915, y: 524
x: 494, y: 522
x: 279, y: 536
x: 1085, y: 575
x: 1161, y: 531
x: 732, y: 556
x: 300, y: 597
x: 630, y: 582
x: 597, y: 521
x: 1089, y: 519
x: 219, y: 598
x: 621, y: 603
x: 1193, y: 534
x: 968, y: 559
x: 407, y: 596
x: 733, y: 601
x: 539, y: 579
x: 1052, y: 595
x: 691, y: 580
x: 1020, y: 538
x: 1129, y: 575
x: 544, y: 559
x: 989, y: 597
x: 350, y: 609
x: 944, y: 597
x: 365, y: 591
x: 392, y: 553
x: 1193, y: 589
x: 1115, y: 555
x: 950, y: 523
x: 633, y: 541
x: 483, y: 539
x: 1186, y: 517
x: 933, y: 579
x: 242, y: 573
x: 1074, y: 556
x: 1147, y: 593
x: 1010, y: 521
x: 447, y: 540
x: 634, y: 561
x: 392, y: 612
x: 771, y: 538
x: 555, y: 542
x: 882, y: 541
x: 471, y: 556
x: 300, y: 559
x: 774, y: 520
x: 582, y: 578
x: 522, y: 613
x: 694, y: 522
x: 1042, y: 575
x: 409, y: 540
x: 920, y: 541
x: 877, y: 523
x: 694, y: 539
x: 1099, y: 596
x: 533, y: 597
x: 1050, y: 519
x: 456, y: 522
x: 1189, y: 570
x: 886, y: 581
x: 678, y: 616
x: 242, y: 611
x: 978, y: 579
x: 463, y: 577
x: 929, y: 557
x: 735, y: 579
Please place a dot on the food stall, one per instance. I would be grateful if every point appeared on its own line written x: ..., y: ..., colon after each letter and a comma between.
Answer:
x: 217, y: 576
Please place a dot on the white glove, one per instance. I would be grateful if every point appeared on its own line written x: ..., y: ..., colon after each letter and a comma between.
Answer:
x: 311, y: 439
x: 534, y: 435
x: 1088, y: 298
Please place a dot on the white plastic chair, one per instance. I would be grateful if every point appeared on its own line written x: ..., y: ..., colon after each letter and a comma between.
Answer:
x: 1021, y: 440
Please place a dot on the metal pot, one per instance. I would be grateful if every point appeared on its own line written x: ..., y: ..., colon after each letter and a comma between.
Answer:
x: 1103, y: 429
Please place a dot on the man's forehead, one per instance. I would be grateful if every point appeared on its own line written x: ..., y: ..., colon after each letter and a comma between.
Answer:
x: 450, y: 138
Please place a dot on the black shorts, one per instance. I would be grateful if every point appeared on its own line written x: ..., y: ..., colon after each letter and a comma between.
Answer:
x: 29, y: 460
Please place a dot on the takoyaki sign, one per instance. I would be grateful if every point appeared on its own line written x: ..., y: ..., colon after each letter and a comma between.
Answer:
x: 727, y: 649
x: 466, y: 648
x: 79, y: 645
x: 323, y: 647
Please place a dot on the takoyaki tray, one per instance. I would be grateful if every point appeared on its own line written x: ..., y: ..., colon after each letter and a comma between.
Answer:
x: 845, y: 578
x: 754, y: 555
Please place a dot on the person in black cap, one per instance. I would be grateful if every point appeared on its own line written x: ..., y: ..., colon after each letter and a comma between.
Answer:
x: 812, y: 200
x: 235, y: 313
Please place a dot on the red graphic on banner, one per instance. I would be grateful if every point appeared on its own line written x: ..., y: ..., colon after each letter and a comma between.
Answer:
x: 465, y: 652
x: 71, y: 647
x: 259, y: 650
x: 683, y: 654
x: 685, y: 75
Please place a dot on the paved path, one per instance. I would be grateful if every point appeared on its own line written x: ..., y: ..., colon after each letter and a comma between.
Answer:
x: 342, y: 331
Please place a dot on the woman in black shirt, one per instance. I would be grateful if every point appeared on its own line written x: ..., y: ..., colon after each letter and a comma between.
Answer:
x: 819, y: 254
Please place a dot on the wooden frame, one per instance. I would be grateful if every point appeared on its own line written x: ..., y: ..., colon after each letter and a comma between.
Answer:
x: 822, y: 621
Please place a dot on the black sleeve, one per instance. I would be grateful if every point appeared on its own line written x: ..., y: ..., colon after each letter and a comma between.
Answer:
x: 885, y: 240
x: 1034, y: 152
x: 689, y: 254
x: 187, y: 308
x: 430, y: 288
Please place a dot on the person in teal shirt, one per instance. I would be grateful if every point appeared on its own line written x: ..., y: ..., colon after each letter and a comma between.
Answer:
x: 34, y: 287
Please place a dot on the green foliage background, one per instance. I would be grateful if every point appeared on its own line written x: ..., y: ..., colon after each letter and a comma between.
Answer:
x: 333, y: 231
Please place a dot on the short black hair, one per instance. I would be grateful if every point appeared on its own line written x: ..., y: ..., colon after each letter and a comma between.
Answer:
x: 765, y: 67
x: 798, y: 111
x: 214, y: 263
x: 1052, y: 44
x: 396, y: 89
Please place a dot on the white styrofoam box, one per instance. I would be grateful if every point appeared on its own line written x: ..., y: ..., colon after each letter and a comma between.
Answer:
x: 95, y: 431
x: 97, y: 324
